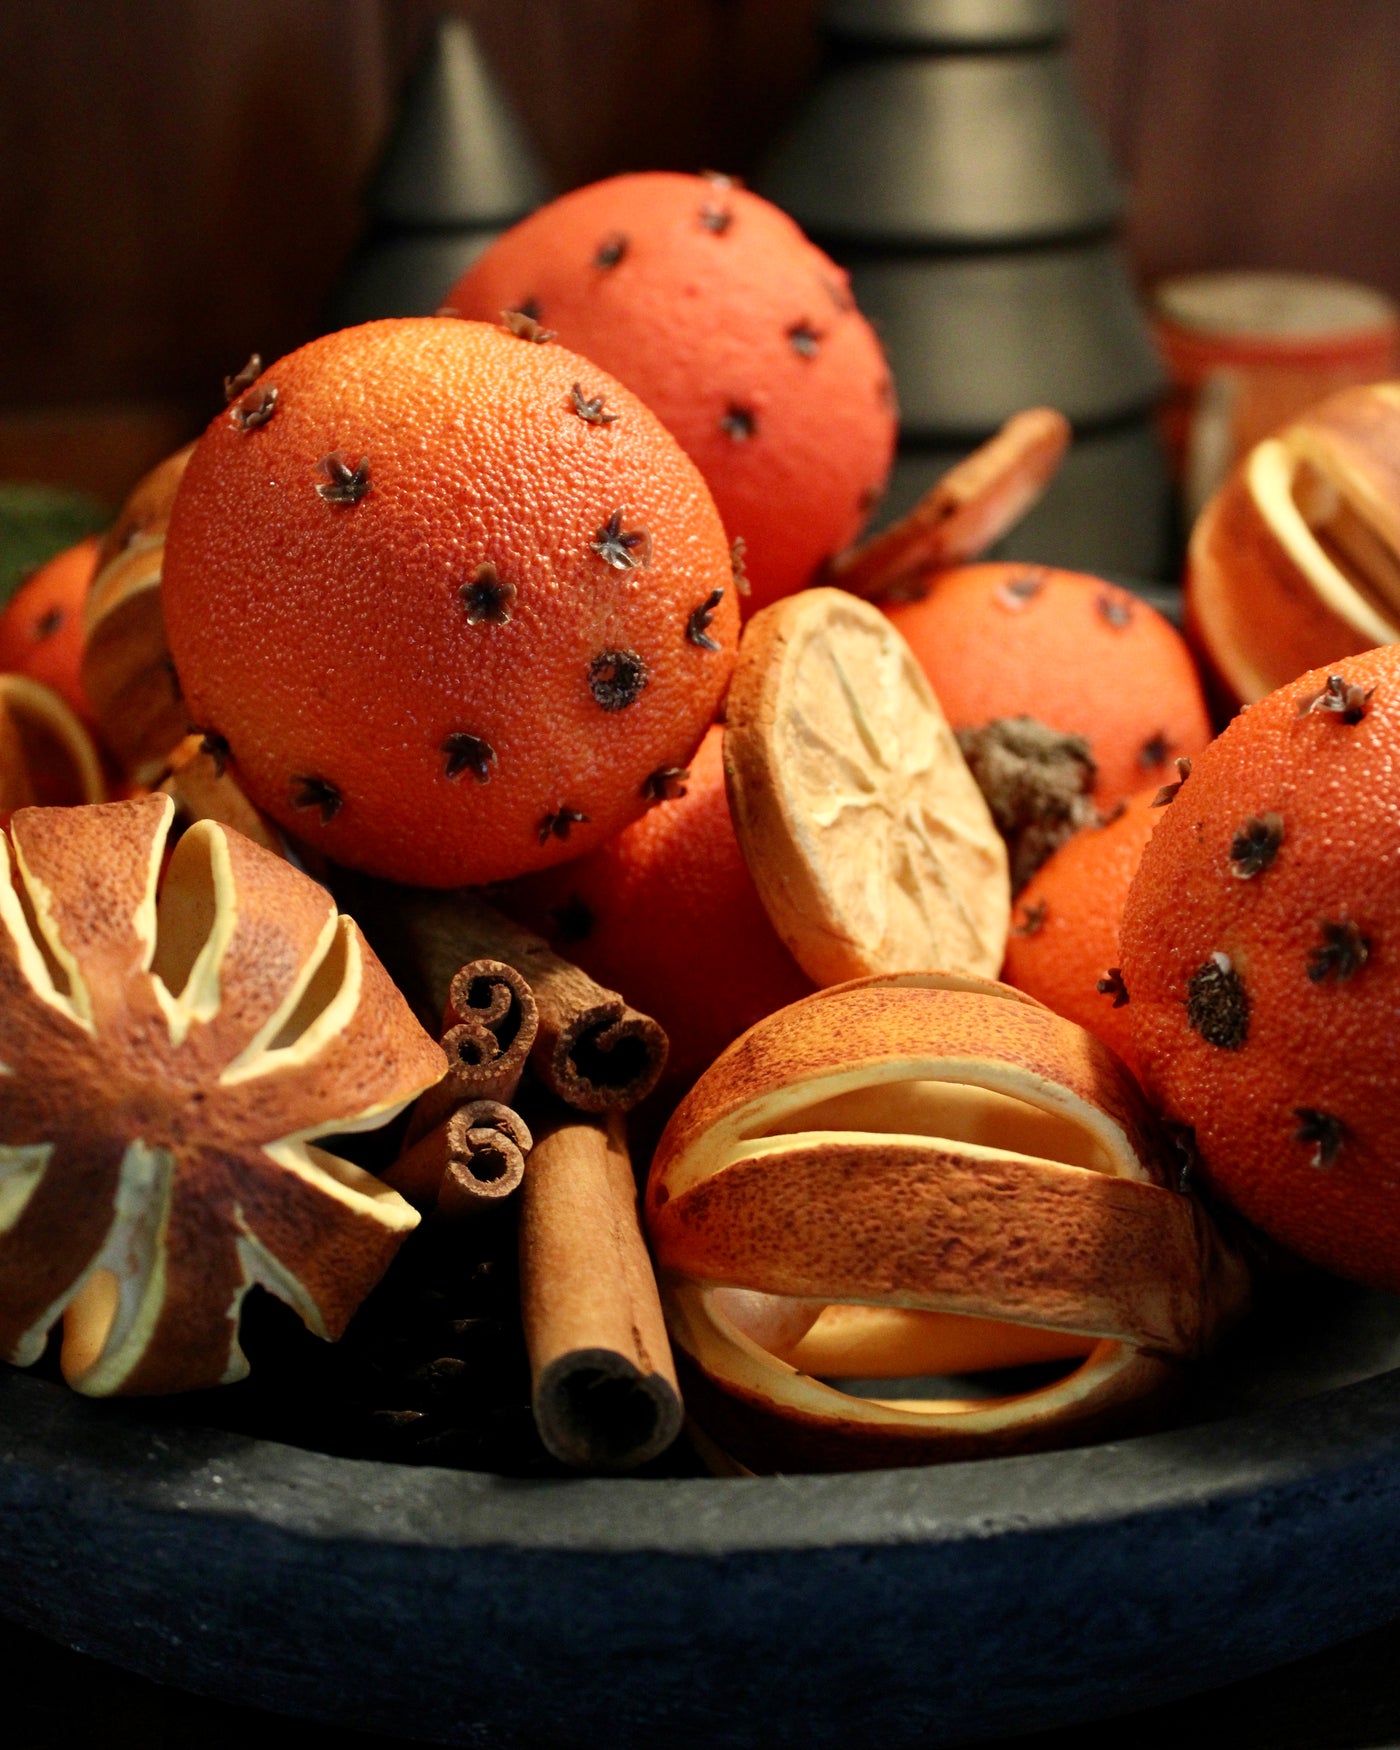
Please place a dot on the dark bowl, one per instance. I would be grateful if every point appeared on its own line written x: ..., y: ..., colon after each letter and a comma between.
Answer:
x: 919, y: 1607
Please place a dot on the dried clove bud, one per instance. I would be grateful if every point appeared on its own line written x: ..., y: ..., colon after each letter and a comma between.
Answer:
x: 666, y: 784
x: 1340, y: 697
x: 1112, y: 985
x: 217, y: 748
x: 487, y: 599
x: 313, y: 792
x: 524, y: 326
x: 560, y: 823
x: 627, y: 551
x: 1154, y: 751
x: 1323, y: 1130
x: 804, y: 340
x: 469, y: 753
x: 611, y: 250
x: 1341, y: 955
x: 254, y: 408
x: 1168, y: 791
x: 1033, y: 920
x: 739, y: 424
x: 1255, y: 845
x: 591, y: 408
x: 1117, y: 610
x: 1018, y: 592
x: 234, y: 386
x: 343, y: 484
x: 697, y: 626
x: 716, y: 218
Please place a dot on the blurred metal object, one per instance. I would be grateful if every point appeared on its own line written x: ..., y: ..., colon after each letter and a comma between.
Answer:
x: 973, y: 338
x: 942, y: 24
x: 945, y: 158
x: 958, y: 150
x: 458, y: 170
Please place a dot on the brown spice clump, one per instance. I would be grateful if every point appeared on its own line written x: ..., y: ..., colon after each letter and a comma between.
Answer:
x: 1037, y: 783
x: 1217, y: 1005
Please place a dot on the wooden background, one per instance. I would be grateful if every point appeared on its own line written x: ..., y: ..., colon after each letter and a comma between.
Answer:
x: 180, y: 179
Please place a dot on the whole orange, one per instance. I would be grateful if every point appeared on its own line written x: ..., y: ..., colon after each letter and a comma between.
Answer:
x: 1064, y: 931
x: 736, y: 331
x: 1260, y: 949
x: 447, y: 622
x: 41, y: 629
x: 668, y: 914
x: 1079, y: 654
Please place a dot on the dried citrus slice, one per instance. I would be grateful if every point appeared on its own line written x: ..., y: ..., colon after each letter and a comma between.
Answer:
x: 864, y: 831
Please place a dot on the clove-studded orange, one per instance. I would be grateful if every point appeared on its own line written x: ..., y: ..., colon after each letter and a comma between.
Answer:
x: 1063, y: 946
x: 739, y: 333
x: 1075, y: 652
x: 41, y: 629
x: 446, y: 595
x: 1260, y: 954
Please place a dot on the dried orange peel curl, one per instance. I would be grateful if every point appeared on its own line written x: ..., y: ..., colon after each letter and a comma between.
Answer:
x: 976, y: 502
x: 924, y: 1175
x: 1295, y: 562
x: 127, y: 672
x: 172, y: 1047
x: 46, y: 753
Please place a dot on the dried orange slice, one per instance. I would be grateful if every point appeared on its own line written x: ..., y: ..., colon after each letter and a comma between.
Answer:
x: 866, y: 835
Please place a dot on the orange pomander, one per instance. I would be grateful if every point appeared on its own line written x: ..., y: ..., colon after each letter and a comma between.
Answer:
x: 447, y: 599
x: 1063, y: 946
x: 1260, y: 950
x: 668, y: 912
x: 739, y: 334
x: 1080, y: 655
x: 41, y: 629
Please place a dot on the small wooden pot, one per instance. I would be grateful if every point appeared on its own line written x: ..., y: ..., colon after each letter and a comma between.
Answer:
x: 924, y: 1174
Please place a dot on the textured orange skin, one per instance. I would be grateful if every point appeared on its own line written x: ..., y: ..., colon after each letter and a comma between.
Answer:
x: 330, y: 639
x: 696, y: 323
x: 55, y: 657
x: 1082, y: 888
x: 677, y: 922
x: 1328, y: 1046
x: 1056, y: 656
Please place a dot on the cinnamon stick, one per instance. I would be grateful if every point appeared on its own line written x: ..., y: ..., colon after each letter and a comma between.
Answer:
x: 592, y: 1049
x: 489, y: 1028
x: 604, y: 1387
x: 474, y: 1158
x: 975, y: 503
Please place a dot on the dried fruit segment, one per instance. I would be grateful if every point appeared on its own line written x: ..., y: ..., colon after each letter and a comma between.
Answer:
x: 864, y: 831
x: 173, y: 1048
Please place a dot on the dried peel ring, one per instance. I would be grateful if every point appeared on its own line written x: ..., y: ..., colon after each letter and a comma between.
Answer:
x: 923, y: 1176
